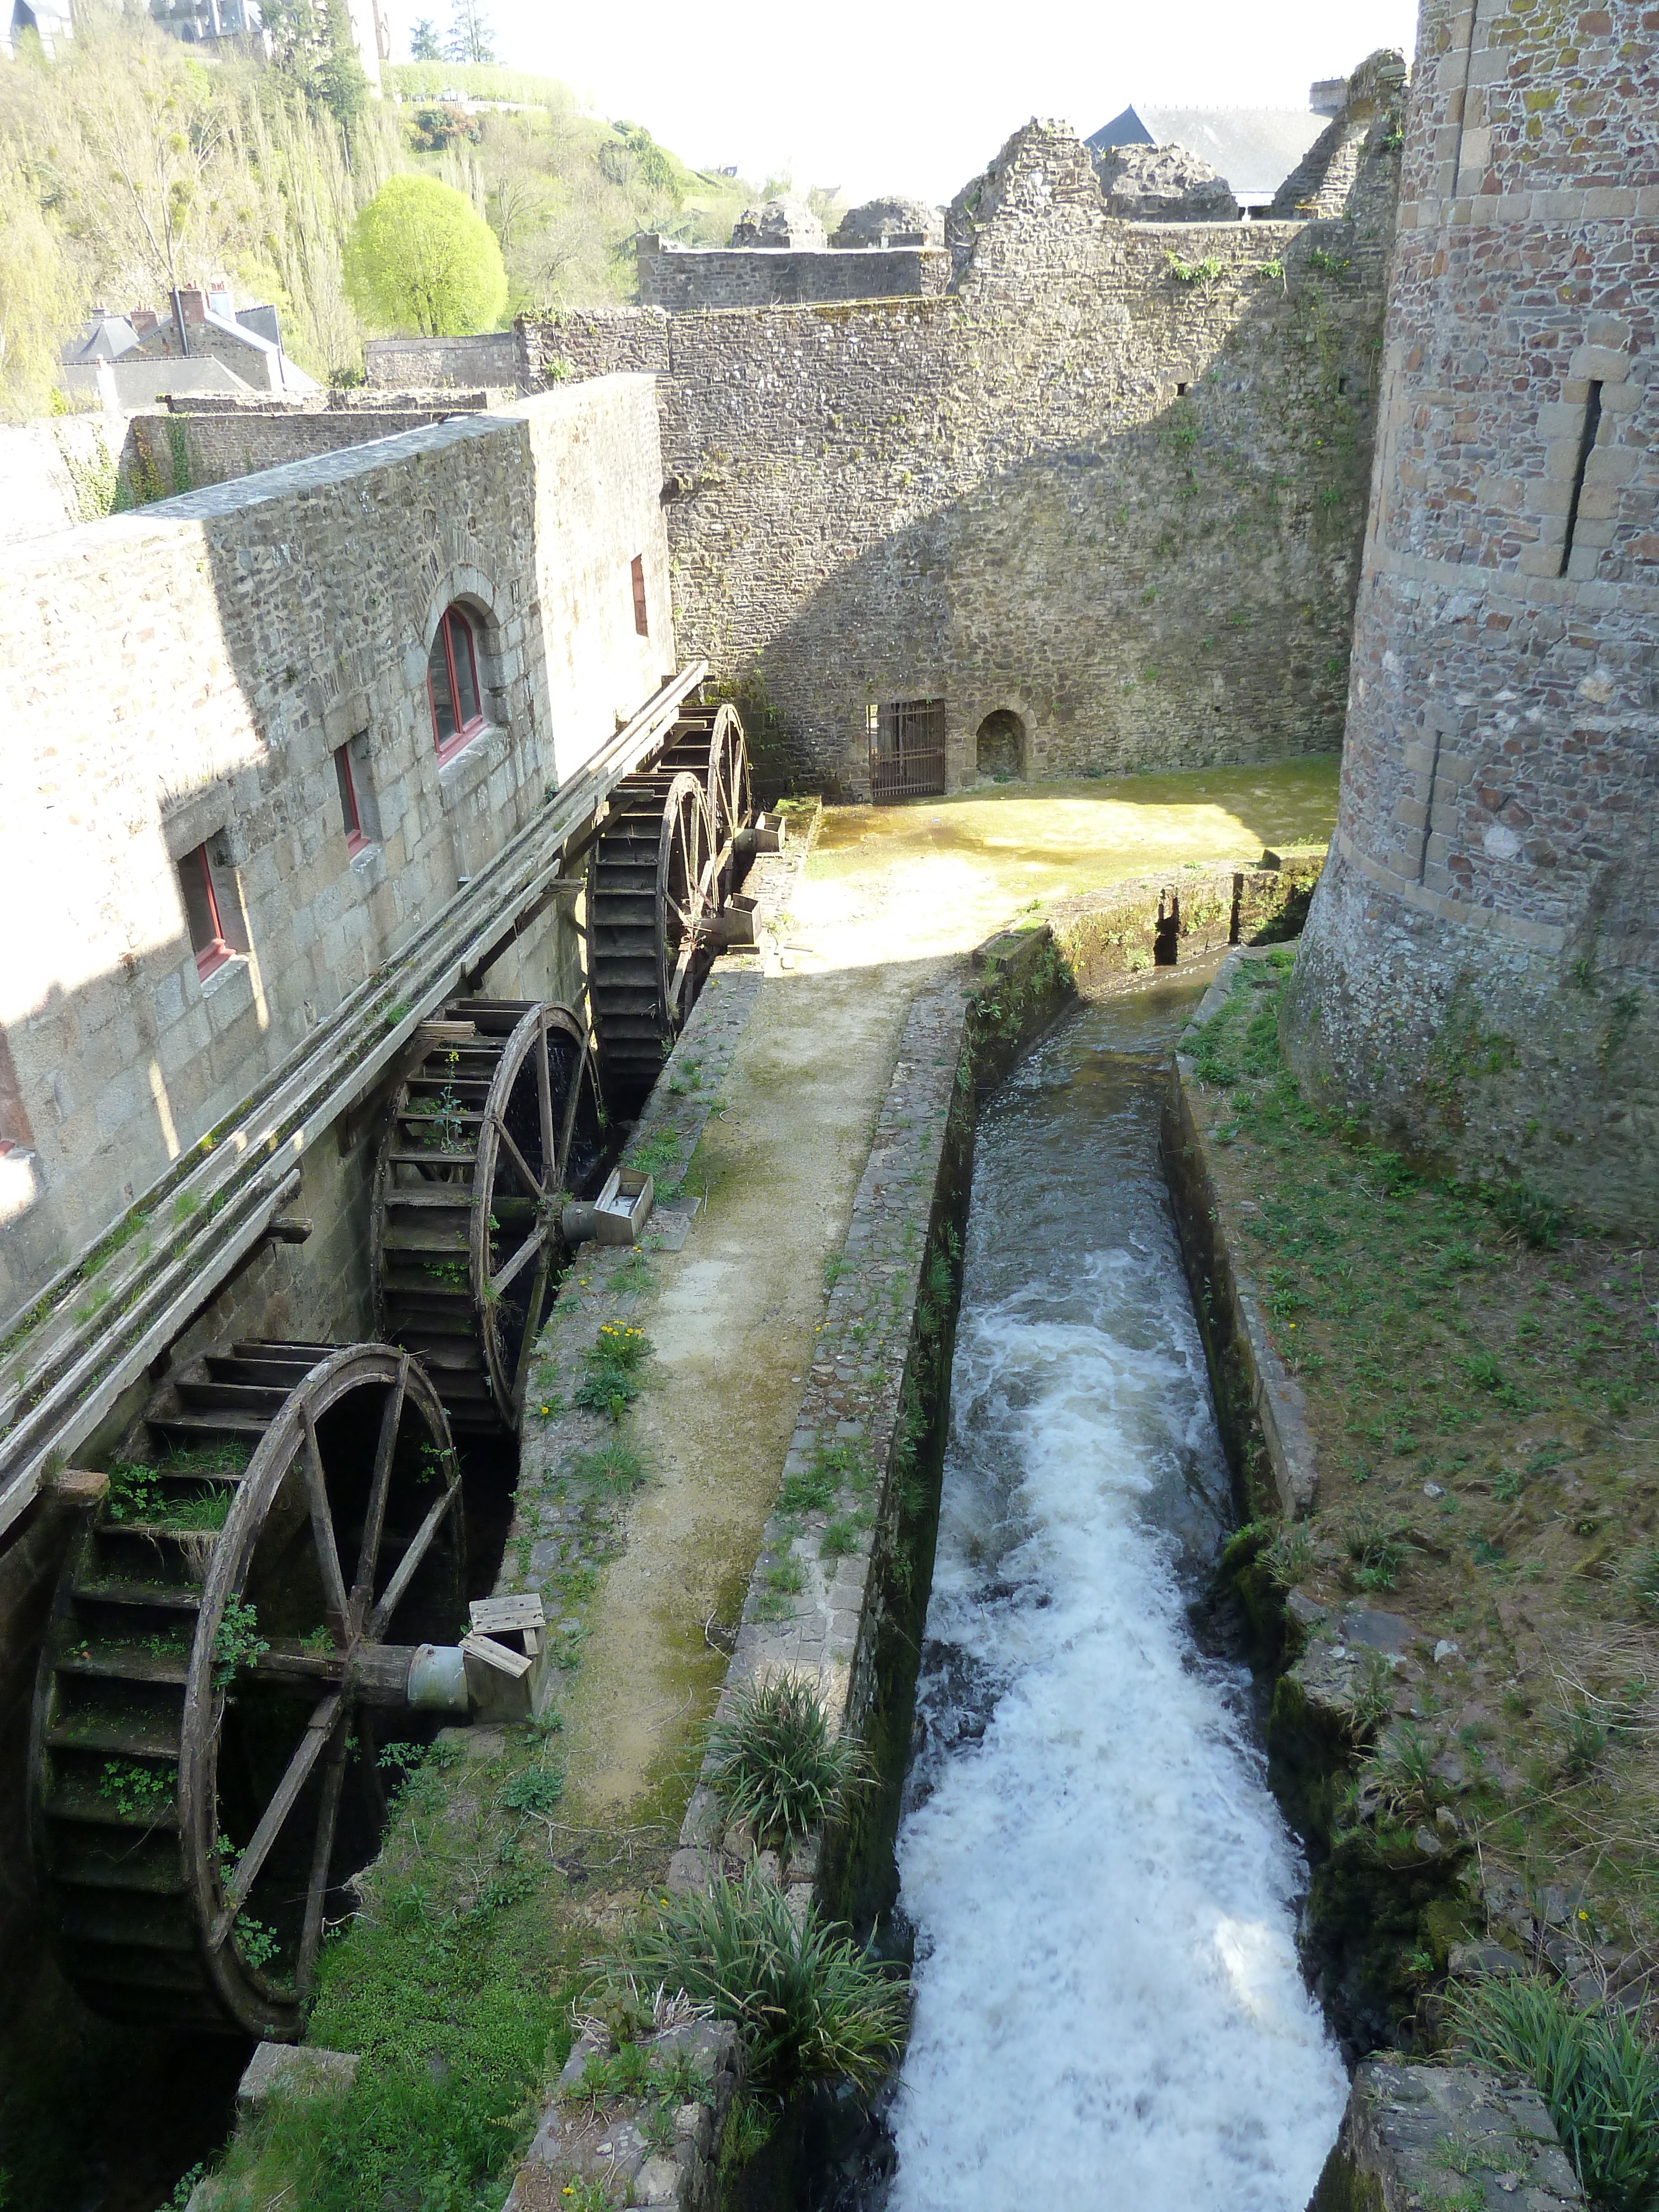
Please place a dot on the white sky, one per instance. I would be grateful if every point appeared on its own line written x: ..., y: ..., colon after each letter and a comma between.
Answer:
x: 878, y: 97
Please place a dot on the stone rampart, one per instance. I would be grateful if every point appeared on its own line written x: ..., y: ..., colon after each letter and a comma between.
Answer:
x: 191, y: 446
x: 490, y: 357
x: 1112, y: 484
x: 1479, y: 966
x: 681, y: 278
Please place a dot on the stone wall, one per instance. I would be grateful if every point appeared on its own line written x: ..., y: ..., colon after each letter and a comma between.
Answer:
x: 1112, y: 484
x: 189, y: 671
x: 682, y: 277
x: 1480, y: 964
x: 193, y: 445
x: 484, y: 357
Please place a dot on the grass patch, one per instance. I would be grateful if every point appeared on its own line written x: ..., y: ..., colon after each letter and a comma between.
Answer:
x: 775, y: 1765
x: 1482, y: 1386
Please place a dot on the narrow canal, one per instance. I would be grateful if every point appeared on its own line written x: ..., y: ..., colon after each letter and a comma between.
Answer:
x: 1109, y: 2009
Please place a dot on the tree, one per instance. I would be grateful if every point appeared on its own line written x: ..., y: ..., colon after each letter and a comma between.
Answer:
x: 37, y: 301
x: 337, y: 78
x: 423, y: 41
x: 423, y: 259
x: 470, y: 39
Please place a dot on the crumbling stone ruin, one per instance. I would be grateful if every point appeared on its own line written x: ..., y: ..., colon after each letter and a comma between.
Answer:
x: 1480, y: 962
x: 890, y: 222
x: 1110, y: 483
x: 784, y: 222
x: 1163, y: 184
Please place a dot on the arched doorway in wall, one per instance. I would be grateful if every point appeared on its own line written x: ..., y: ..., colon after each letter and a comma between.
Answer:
x: 1000, y: 744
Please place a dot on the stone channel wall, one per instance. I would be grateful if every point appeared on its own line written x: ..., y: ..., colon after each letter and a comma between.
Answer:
x: 1112, y: 484
x: 874, y: 1408
x: 1491, y: 910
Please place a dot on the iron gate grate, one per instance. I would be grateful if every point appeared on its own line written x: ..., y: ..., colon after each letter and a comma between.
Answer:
x: 907, y: 748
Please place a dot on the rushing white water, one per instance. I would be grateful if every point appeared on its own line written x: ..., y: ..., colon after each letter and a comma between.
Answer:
x: 1110, y: 2011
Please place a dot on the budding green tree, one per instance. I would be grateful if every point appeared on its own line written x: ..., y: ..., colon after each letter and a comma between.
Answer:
x: 423, y: 260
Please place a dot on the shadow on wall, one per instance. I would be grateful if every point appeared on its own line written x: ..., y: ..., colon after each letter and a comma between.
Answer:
x: 1175, y: 596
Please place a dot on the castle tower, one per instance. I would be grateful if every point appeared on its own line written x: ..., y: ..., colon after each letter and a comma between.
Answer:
x: 1479, y: 970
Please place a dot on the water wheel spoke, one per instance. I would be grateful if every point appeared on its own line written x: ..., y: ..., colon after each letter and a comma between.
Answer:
x: 532, y: 1181
x: 311, y: 1748
x: 311, y: 1934
x: 532, y: 1322
x: 362, y: 1587
x: 334, y: 1603
x: 572, y: 1099
x: 544, y: 1098
x: 510, y: 1271
x: 409, y: 1561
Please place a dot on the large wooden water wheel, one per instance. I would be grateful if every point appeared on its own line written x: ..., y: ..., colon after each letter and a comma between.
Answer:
x: 499, y: 1120
x: 205, y: 1748
x: 708, y: 742
x: 653, y: 896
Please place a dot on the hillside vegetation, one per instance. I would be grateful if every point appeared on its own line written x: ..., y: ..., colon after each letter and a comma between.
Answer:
x: 130, y: 153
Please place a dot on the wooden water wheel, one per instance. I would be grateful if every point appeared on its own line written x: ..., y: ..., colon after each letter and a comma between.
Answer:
x: 653, y: 895
x: 205, y: 1761
x: 708, y: 742
x: 499, y: 1118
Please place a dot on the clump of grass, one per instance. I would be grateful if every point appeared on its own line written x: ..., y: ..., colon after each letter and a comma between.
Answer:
x: 1401, y: 1773
x: 1373, y: 1699
x: 1377, y: 1557
x: 810, y: 2005
x: 810, y: 1490
x: 775, y: 1764
x: 1596, y: 2075
x: 616, y: 1468
x: 841, y: 1536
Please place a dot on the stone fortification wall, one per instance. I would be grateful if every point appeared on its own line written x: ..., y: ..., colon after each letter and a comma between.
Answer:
x: 193, y: 446
x: 488, y: 357
x: 190, y: 670
x: 1113, y: 486
x: 1480, y: 964
x: 681, y: 278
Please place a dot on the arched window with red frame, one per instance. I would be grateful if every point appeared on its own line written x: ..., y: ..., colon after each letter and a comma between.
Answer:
x: 451, y: 682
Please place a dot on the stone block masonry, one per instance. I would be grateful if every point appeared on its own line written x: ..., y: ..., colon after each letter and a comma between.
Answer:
x: 1480, y: 968
x: 1112, y: 483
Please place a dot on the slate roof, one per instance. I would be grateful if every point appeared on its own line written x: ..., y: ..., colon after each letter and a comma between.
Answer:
x: 1254, y: 148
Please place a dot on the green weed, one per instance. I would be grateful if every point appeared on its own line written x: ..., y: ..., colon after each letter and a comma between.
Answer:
x: 809, y: 2003
x: 775, y: 1764
x: 1596, y: 2075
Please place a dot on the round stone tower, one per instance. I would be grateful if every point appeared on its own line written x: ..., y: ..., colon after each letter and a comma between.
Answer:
x: 1479, y: 966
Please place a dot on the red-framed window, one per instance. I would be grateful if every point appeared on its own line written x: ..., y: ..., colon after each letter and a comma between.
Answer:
x: 642, y: 621
x: 356, y: 841
x: 451, y: 682
x: 207, y: 934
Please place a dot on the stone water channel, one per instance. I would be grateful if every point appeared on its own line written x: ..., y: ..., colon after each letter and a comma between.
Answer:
x: 1102, y: 1895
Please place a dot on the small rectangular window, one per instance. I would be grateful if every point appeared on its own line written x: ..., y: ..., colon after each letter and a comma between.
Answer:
x: 642, y: 621
x: 350, y: 813
x: 201, y: 911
